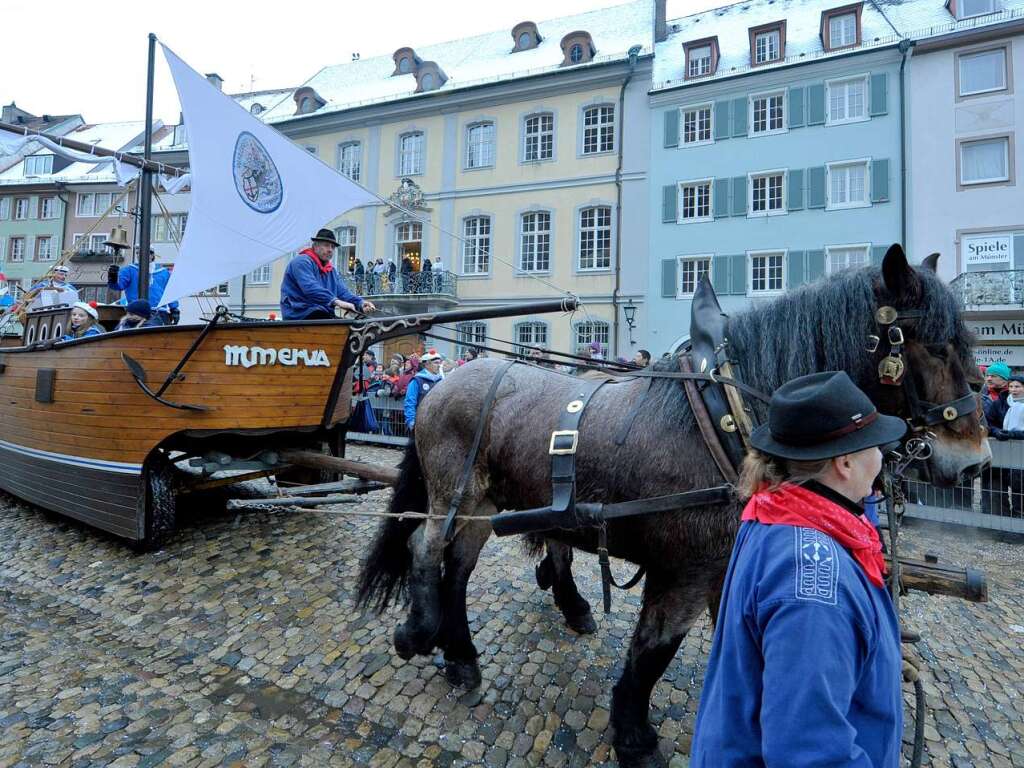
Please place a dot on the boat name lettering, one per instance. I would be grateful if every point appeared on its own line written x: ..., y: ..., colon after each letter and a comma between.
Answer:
x: 247, y: 357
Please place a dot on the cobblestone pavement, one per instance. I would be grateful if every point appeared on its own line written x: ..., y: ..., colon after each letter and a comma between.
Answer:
x: 237, y: 645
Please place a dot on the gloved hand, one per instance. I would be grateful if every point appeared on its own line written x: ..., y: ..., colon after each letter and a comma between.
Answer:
x: 112, y: 273
x: 175, y: 315
x: 999, y: 434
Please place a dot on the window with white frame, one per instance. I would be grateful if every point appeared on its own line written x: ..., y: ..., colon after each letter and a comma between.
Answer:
x: 20, y: 208
x: 17, y: 249
x: 983, y: 72
x: 409, y: 243
x: 695, y: 200
x: 345, y: 258
x: 535, y: 242
x: 968, y: 8
x: 590, y: 331
x: 767, y: 113
x: 85, y: 204
x: 598, y: 129
x: 985, y: 161
x: 576, y: 53
x: 691, y: 270
x: 766, y: 271
x: 697, y: 124
x: 44, y: 249
x: 842, y: 30
x: 539, y: 137
x: 103, y: 202
x: 595, y: 238
x: 350, y: 158
x: 5, y: 208
x: 168, y: 229
x: 470, y: 333
x: 840, y: 257
x: 698, y: 61
x: 531, y: 334
x: 96, y: 244
x: 846, y: 100
x: 476, y: 245
x: 261, y: 275
x: 410, y: 154
x: 223, y: 289
x: 766, y: 195
x: 766, y: 46
x: 48, y: 208
x: 38, y: 165
x: 480, y: 145
x: 848, y: 184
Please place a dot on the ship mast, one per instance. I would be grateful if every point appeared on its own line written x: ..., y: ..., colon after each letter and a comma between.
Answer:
x: 146, y: 182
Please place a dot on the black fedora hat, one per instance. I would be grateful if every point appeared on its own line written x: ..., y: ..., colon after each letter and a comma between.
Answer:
x: 326, y: 236
x: 821, y: 416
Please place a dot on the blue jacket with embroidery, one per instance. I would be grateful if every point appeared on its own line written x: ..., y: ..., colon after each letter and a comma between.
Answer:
x: 92, y: 330
x: 420, y: 385
x: 128, y: 283
x: 805, y: 666
x: 305, y: 289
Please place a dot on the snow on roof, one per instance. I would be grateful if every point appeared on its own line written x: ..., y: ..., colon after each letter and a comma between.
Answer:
x: 478, y: 60
x: 921, y: 19
x: 266, y: 99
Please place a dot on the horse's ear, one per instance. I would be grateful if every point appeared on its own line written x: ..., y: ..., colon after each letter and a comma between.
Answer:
x: 931, y: 262
x: 898, y: 276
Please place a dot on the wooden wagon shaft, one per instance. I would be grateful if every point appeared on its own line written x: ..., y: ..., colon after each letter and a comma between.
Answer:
x: 378, y: 472
x: 965, y: 583
x: 352, y: 485
x: 291, y: 501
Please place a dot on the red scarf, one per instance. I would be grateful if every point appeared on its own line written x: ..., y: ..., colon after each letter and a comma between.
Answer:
x: 793, y: 505
x: 324, y: 268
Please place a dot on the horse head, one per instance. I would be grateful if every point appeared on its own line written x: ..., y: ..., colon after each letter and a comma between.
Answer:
x: 925, y: 368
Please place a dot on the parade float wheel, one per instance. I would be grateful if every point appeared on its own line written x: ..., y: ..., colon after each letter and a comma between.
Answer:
x: 160, y: 502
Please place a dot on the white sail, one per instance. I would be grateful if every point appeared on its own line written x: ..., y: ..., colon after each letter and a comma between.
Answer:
x: 255, y: 194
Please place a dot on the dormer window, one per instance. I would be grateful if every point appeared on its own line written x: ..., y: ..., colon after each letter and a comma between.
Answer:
x: 767, y: 43
x: 307, y: 101
x: 840, y: 27
x: 256, y: 109
x: 701, y: 57
x: 578, y: 48
x: 38, y: 165
x: 525, y: 36
x: 429, y: 77
x: 406, y: 61
x: 966, y: 9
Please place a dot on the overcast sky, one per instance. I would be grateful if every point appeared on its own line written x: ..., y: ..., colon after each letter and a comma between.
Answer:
x: 71, y: 57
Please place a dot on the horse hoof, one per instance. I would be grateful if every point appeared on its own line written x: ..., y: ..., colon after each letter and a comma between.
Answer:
x: 545, y: 574
x: 629, y: 758
x: 406, y: 644
x: 462, y: 674
x: 583, y: 624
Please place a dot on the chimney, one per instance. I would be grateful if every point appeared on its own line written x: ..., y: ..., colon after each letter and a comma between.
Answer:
x: 8, y: 113
x: 216, y: 79
x: 660, y: 25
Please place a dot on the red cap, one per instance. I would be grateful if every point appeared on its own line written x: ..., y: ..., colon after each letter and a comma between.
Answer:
x: 273, y: 315
x: 94, y: 304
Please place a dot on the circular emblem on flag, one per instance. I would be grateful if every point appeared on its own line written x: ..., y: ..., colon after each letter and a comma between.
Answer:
x: 256, y: 177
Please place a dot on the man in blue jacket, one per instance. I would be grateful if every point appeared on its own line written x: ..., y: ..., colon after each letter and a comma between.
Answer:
x: 425, y: 380
x: 311, y: 288
x: 126, y: 280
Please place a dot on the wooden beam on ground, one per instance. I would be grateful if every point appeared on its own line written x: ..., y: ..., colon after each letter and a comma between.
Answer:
x: 351, y: 485
x: 935, y: 579
x: 219, y: 482
x: 378, y: 472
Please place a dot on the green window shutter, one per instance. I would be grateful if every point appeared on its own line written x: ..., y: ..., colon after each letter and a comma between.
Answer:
x: 815, y: 265
x: 721, y: 201
x: 672, y: 128
x: 739, y: 196
x: 795, y: 192
x: 669, y: 203
x: 720, y: 275
x: 816, y: 187
x: 669, y: 278
x: 796, y: 107
x: 738, y: 278
x: 877, y: 254
x: 879, y: 180
x: 739, y: 117
x: 796, y: 272
x: 816, y: 104
x: 879, y: 94
x: 721, y: 120
x: 1018, y: 251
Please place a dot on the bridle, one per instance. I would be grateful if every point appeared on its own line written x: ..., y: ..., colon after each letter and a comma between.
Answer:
x: 893, y: 372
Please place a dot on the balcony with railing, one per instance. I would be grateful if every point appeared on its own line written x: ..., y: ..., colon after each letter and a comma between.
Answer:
x: 1002, y: 289
x: 411, y: 291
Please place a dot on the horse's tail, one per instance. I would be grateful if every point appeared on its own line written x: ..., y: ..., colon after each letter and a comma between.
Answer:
x: 385, y: 570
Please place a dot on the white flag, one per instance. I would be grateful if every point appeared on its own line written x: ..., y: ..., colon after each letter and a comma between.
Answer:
x: 255, y: 194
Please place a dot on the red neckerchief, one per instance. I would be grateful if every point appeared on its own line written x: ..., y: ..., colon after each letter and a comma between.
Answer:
x: 324, y: 268
x: 993, y: 394
x: 793, y: 505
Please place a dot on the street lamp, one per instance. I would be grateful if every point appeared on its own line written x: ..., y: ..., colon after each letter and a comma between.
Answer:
x: 629, y: 310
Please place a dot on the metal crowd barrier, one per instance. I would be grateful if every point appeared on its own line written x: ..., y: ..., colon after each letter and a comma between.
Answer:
x: 994, y: 501
x: 390, y: 417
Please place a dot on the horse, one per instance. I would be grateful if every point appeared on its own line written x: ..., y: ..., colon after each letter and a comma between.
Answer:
x: 821, y: 326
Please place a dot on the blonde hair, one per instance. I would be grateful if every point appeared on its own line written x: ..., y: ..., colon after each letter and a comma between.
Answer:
x: 761, y: 471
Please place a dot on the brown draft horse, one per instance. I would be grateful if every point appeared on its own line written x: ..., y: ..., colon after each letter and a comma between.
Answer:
x: 819, y: 327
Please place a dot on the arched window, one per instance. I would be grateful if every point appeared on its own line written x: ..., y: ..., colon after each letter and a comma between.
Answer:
x: 576, y: 53
x: 535, y: 242
x: 404, y: 65
x: 58, y: 330
x: 599, y: 129
x: 590, y: 331
x: 538, y: 137
x: 256, y: 109
x: 476, y: 245
x: 480, y: 145
x: 409, y: 244
x: 525, y: 40
x: 44, y: 332
x: 306, y: 105
x: 532, y: 333
x: 346, y: 256
x: 474, y: 332
x: 410, y: 153
x: 350, y: 159
x: 427, y: 82
x: 31, y: 335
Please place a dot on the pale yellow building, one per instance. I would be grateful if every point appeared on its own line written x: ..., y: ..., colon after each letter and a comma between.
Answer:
x: 515, y: 161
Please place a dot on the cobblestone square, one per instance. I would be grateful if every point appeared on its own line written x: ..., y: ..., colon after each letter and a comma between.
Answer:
x: 237, y: 644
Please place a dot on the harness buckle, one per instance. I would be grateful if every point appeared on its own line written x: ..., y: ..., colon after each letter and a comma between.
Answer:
x: 895, y: 335
x: 873, y: 342
x: 557, y: 446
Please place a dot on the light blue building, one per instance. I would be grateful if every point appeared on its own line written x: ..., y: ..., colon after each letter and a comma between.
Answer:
x: 775, y: 151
